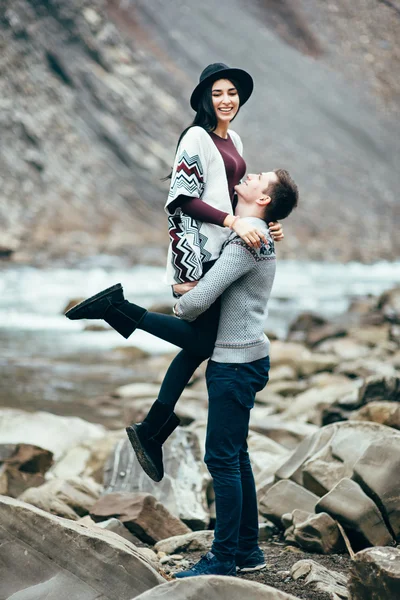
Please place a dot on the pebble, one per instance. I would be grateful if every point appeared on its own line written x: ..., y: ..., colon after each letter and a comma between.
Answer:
x: 172, y: 557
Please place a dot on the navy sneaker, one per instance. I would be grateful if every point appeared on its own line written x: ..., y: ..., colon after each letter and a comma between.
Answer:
x: 252, y: 560
x: 209, y: 565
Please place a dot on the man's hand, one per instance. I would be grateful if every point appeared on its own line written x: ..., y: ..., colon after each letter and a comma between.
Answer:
x: 275, y: 229
x: 182, y: 288
x: 249, y: 234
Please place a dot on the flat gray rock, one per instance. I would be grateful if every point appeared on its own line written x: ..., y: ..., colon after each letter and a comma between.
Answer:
x: 214, y: 588
x: 57, y: 434
x: 378, y: 473
x: 357, y: 513
x: 70, y: 499
x: 44, y: 556
x: 285, y: 497
x: 321, y: 579
x: 330, y: 454
x: 194, y: 541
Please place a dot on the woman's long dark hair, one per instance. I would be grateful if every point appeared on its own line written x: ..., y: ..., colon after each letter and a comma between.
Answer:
x: 205, y: 115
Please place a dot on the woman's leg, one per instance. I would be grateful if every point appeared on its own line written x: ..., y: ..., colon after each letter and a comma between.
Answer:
x: 148, y: 437
x: 125, y: 317
x: 178, y: 376
x: 197, y: 337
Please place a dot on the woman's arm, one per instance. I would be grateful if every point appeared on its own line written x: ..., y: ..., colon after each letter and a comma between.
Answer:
x: 200, y: 210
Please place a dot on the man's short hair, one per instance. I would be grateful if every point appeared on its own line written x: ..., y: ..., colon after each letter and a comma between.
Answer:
x: 284, y: 197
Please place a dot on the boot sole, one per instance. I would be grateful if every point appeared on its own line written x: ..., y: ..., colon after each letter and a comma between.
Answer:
x: 75, y: 309
x: 144, y: 461
x: 251, y: 569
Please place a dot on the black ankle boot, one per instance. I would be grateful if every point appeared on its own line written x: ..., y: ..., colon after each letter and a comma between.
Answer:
x: 110, y: 306
x: 148, y: 437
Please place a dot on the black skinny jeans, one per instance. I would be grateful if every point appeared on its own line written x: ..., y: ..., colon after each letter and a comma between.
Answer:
x: 197, y: 340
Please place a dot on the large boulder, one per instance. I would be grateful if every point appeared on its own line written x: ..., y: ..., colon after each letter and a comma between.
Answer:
x: 43, y: 556
x: 286, y: 433
x: 266, y: 455
x: 214, y: 588
x: 330, y: 454
x: 375, y: 574
x: 319, y: 533
x: 284, y: 497
x: 357, y: 513
x: 375, y: 388
x: 146, y: 518
x: 310, y: 405
x: 183, y: 487
x: 57, y: 434
x: 88, y: 458
x: 70, y: 499
x: 377, y: 472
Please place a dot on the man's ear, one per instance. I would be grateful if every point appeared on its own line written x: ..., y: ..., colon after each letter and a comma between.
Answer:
x: 264, y: 201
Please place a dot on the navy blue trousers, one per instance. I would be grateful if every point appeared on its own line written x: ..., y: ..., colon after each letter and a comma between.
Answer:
x: 231, y: 389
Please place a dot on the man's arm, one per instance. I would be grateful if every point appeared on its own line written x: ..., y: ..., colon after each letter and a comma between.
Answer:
x: 235, y: 261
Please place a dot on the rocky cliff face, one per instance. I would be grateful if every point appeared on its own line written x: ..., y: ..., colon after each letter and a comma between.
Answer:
x: 93, y: 96
x: 87, y: 130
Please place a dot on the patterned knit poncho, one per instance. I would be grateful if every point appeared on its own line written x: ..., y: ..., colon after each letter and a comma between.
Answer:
x: 199, y: 172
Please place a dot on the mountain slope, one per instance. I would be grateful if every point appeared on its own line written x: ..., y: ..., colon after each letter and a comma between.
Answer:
x: 94, y: 95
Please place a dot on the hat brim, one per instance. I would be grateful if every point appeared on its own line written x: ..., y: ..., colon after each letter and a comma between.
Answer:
x: 243, y: 78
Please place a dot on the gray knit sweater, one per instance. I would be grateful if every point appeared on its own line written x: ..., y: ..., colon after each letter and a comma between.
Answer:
x: 244, y: 276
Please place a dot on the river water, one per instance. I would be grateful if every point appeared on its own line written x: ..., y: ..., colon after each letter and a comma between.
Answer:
x: 49, y: 362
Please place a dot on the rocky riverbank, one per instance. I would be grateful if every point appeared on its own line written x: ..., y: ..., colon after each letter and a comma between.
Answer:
x: 79, y: 517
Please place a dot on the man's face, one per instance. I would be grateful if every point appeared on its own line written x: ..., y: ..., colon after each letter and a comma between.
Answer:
x: 255, y: 185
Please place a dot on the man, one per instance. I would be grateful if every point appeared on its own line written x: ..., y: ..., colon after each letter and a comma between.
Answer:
x: 238, y: 369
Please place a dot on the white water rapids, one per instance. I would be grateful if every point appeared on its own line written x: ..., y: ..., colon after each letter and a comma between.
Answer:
x: 33, y: 300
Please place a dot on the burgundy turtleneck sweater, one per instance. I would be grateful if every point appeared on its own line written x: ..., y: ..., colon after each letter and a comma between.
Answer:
x: 235, y: 168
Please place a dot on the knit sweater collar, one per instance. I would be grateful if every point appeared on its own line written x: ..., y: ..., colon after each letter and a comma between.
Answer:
x: 256, y: 221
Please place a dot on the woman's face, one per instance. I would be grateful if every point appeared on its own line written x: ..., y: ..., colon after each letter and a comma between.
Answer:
x: 225, y: 99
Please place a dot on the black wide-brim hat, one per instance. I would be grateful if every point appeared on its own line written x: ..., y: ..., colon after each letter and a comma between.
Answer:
x: 220, y: 71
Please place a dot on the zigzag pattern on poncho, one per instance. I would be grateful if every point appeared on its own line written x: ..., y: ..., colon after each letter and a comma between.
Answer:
x: 189, y: 177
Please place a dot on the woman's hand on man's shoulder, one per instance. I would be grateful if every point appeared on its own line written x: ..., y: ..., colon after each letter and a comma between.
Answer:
x: 276, y: 231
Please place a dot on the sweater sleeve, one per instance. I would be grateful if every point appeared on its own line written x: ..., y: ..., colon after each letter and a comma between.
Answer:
x: 188, y: 173
x: 235, y: 261
x: 199, y: 210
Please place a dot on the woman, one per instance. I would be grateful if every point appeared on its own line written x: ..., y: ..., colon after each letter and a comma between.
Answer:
x: 201, y: 202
